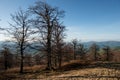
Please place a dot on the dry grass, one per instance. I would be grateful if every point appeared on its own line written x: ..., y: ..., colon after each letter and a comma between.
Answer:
x: 86, y: 73
x: 90, y: 74
x: 26, y: 69
x: 14, y: 72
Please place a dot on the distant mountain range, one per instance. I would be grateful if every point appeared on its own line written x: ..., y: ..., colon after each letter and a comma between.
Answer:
x: 111, y: 44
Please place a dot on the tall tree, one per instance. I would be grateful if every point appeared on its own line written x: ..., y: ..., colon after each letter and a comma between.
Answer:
x: 20, y: 32
x: 46, y: 16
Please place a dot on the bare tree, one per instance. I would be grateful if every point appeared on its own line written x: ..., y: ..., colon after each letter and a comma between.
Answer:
x: 38, y: 59
x: 81, y: 50
x: 46, y: 16
x: 58, y: 36
x: 28, y: 60
x: 107, y: 52
x: 75, y: 43
x: 20, y: 32
x: 94, y: 49
x: 67, y: 52
x: 7, y: 57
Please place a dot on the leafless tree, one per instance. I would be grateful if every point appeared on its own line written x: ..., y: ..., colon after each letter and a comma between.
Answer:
x: 75, y: 43
x: 45, y: 18
x: 28, y: 59
x: 107, y: 52
x: 67, y: 52
x: 20, y: 32
x: 81, y: 50
x: 58, y: 36
x: 94, y: 50
x: 7, y: 57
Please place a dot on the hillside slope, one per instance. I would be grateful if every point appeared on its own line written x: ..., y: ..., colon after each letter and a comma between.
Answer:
x: 107, y: 71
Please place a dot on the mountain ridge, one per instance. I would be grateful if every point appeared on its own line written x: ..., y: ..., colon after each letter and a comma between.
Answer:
x: 101, y: 44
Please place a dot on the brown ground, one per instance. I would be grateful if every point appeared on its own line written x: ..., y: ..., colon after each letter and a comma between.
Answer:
x: 72, y: 71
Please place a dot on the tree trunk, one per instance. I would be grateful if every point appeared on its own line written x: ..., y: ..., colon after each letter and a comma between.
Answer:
x: 107, y: 52
x: 56, y: 57
x: 60, y: 60
x: 5, y: 61
x: 59, y: 56
x: 74, y: 52
x: 21, y: 65
x: 49, y: 64
x: 95, y: 55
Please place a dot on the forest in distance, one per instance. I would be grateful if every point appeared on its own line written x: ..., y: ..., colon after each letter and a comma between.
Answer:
x: 36, y: 49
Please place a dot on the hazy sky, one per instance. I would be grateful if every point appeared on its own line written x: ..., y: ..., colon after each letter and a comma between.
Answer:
x: 86, y: 20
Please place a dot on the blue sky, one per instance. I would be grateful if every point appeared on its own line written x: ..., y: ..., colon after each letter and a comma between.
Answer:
x: 86, y: 20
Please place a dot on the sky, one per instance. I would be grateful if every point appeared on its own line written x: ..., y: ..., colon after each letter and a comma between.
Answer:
x: 85, y: 20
